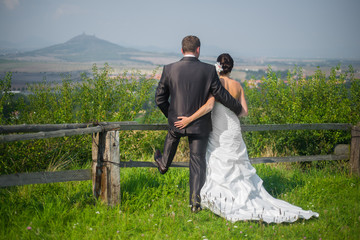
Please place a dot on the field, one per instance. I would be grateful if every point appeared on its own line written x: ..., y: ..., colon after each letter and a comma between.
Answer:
x: 29, y: 72
x: 155, y: 206
x: 25, y: 71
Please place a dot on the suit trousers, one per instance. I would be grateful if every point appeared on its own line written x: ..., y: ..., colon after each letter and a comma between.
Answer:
x: 197, y: 164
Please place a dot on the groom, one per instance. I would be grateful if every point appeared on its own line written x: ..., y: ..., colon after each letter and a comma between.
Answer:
x: 183, y: 88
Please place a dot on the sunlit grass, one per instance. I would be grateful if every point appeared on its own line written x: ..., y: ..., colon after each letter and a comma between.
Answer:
x: 155, y: 206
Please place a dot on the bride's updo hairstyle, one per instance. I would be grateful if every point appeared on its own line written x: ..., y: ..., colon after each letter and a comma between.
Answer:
x: 226, y: 62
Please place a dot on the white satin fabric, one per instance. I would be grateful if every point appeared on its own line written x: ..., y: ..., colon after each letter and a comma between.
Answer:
x: 232, y: 188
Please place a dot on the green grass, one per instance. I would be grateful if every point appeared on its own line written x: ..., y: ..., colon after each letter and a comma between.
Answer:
x: 155, y: 206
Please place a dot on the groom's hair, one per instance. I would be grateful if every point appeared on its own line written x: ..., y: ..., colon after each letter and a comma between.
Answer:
x: 190, y: 43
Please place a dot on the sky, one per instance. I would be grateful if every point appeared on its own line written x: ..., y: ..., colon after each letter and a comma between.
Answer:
x: 244, y: 28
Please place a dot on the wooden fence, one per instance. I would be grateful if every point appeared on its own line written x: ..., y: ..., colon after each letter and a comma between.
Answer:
x: 105, y: 171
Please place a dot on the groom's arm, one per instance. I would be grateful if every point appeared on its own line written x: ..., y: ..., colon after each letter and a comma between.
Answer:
x: 162, y: 94
x: 222, y: 95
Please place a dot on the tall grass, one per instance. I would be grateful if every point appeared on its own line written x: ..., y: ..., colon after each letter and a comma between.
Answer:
x: 155, y: 206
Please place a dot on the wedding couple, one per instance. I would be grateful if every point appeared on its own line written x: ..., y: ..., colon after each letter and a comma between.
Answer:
x: 205, y: 108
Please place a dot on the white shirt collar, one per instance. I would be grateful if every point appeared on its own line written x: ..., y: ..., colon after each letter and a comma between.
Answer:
x: 189, y: 55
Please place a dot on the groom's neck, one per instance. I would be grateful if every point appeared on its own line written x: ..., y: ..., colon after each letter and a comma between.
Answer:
x: 193, y: 54
x: 189, y: 55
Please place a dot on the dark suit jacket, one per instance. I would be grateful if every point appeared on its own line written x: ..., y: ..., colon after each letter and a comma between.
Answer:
x: 184, y: 87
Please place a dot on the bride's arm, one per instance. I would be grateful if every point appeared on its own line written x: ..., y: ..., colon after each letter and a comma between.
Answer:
x: 206, y: 108
x: 244, y: 110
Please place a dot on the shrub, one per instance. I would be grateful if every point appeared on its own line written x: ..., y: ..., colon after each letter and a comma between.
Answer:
x: 97, y: 98
x: 300, y: 99
x: 130, y: 97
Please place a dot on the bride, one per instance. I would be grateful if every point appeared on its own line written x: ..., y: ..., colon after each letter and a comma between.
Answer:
x: 232, y: 188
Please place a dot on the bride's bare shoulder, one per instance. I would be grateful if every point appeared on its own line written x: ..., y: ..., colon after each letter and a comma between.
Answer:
x: 235, y: 84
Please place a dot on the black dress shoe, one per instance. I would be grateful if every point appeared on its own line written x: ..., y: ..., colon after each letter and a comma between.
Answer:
x: 196, y: 209
x: 157, y: 157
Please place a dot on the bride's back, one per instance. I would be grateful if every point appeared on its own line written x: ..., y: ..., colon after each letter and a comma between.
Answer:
x: 225, y: 64
x: 232, y: 86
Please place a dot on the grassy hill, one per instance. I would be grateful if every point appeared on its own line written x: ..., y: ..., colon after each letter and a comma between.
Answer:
x: 85, y: 48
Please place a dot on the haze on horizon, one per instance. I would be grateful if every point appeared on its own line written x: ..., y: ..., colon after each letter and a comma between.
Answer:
x: 244, y: 28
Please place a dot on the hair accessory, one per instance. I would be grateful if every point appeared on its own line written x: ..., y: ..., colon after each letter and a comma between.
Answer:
x: 218, y: 67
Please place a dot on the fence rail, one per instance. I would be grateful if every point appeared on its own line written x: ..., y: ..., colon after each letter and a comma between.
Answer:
x: 105, y: 172
x: 61, y: 130
x: 19, y: 179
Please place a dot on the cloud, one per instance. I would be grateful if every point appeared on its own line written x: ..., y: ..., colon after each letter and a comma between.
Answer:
x: 67, y: 10
x: 11, y: 4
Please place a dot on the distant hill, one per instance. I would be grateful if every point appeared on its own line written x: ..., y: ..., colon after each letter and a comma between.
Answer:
x: 85, y: 48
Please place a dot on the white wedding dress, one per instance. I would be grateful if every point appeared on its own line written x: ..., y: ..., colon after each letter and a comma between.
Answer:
x: 232, y: 188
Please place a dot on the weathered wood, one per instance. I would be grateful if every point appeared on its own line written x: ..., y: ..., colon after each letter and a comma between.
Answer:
x: 19, y: 179
x: 355, y: 151
x: 106, y: 157
x: 52, y: 134
x: 98, y: 146
x: 112, y: 165
x: 59, y: 133
x: 106, y: 167
x: 82, y: 175
x: 121, y: 126
x: 27, y: 128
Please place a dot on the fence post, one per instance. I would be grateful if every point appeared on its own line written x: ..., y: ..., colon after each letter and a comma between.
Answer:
x: 106, y: 167
x: 355, y: 150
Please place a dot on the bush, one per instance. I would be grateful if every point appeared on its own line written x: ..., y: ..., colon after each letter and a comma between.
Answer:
x: 315, y: 99
x: 130, y: 97
x: 96, y: 98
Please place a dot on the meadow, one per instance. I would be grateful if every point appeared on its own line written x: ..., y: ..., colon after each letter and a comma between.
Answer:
x: 155, y: 206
